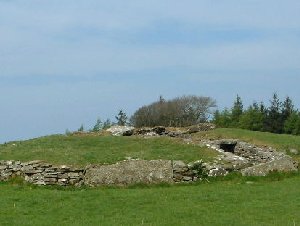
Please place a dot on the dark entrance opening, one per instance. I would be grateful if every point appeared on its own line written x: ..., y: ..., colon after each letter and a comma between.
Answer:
x: 228, y: 147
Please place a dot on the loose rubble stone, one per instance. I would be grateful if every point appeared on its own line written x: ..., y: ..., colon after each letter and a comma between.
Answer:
x: 245, y: 157
x: 179, y: 166
x: 179, y: 132
x: 145, y: 131
x: 201, y: 127
x: 294, y: 151
x: 217, y: 171
x: 183, y: 172
x: 160, y: 130
x: 3, y: 167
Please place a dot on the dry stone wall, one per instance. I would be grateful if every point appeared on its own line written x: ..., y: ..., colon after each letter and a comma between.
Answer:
x: 41, y: 173
x: 183, y: 172
x: 122, y: 173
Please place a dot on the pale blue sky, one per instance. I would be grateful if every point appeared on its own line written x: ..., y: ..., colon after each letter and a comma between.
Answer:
x: 63, y: 62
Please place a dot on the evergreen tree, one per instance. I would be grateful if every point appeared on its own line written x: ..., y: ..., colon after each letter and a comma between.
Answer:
x: 274, y: 121
x: 81, y: 128
x: 291, y: 123
x: 219, y: 119
x: 222, y: 119
x: 216, y: 117
x: 236, y: 111
x: 287, y: 108
x: 121, y: 118
x: 106, y: 124
x: 252, y: 118
x: 264, y: 112
x: 279, y: 117
x: 98, y: 126
x: 296, y: 130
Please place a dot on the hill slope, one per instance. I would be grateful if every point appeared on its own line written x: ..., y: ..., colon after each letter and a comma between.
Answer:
x: 89, y: 149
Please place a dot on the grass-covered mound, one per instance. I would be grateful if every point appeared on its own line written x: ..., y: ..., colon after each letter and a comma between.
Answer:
x: 82, y: 150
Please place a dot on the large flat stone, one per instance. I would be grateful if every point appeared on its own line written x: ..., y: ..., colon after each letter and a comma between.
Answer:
x: 130, y: 172
x: 284, y: 164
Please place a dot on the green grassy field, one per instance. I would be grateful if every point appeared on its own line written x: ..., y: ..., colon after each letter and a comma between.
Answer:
x: 83, y: 150
x: 237, y: 201
x: 231, y: 200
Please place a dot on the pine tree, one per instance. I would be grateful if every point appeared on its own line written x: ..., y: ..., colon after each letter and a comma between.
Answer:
x: 81, y: 128
x: 106, y: 124
x: 252, y: 118
x: 121, y: 118
x: 98, y: 126
x: 296, y: 130
x: 264, y: 113
x: 274, y: 121
x: 287, y: 108
x: 222, y: 119
x: 291, y: 123
x: 236, y: 111
x: 216, y: 117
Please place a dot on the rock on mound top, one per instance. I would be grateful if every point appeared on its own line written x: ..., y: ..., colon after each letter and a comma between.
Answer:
x: 121, y: 130
x: 201, y: 127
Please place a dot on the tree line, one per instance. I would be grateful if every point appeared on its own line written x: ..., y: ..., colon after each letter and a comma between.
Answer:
x: 178, y: 112
x: 278, y: 117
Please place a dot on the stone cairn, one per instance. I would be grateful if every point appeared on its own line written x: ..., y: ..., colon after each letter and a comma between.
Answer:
x: 234, y: 155
x: 249, y: 159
